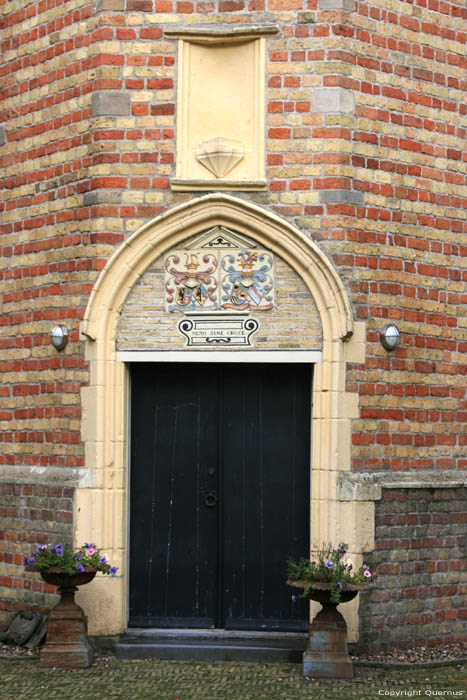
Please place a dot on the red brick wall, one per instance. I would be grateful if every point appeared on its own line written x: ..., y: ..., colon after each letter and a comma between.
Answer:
x: 30, y: 516
x: 403, y: 251
x: 46, y: 247
x: 380, y: 186
x: 419, y: 559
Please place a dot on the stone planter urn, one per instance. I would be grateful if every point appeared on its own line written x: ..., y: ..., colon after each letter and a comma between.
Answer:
x: 326, y: 654
x: 67, y: 644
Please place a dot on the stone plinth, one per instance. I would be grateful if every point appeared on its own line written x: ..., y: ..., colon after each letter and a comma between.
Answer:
x: 326, y: 654
x: 67, y: 644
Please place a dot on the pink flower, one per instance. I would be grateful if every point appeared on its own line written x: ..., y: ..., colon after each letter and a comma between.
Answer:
x: 91, y: 552
x: 367, y: 574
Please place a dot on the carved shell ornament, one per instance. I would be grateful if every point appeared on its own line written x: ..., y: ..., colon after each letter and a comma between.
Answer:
x: 219, y: 155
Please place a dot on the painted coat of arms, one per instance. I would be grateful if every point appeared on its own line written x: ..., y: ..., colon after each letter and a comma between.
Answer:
x: 247, y: 280
x: 191, y: 280
x: 205, y: 279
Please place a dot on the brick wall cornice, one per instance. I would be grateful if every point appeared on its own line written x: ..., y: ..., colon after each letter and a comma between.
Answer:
x: 50, y: 476
x: 354, y: 486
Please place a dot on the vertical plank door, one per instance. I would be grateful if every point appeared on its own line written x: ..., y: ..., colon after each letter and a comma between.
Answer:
x: 219, y: 479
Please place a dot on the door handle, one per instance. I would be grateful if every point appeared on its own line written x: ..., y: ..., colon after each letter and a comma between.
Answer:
x: 210, y: 499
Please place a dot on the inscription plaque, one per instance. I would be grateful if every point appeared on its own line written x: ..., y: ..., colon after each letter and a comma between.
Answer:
x: 218, y: 330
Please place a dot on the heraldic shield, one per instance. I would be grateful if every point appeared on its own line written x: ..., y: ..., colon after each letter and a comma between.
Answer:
x: 194, y: 284
x: 247, y: 282
x: 198, y: 280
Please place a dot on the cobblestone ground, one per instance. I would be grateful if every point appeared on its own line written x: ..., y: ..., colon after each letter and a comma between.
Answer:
x: 173, y: 680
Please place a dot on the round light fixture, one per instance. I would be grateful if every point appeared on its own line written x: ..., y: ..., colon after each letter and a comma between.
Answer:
x: 389, y: 337
x: 59, y: 337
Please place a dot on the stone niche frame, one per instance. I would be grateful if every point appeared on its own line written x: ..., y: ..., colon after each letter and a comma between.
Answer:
x: 220, y: 96
x: 101, y: 504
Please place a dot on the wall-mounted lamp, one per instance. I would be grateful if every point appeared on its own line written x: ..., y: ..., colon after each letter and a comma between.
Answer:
x: 59, y: 337
x: 389, y: 337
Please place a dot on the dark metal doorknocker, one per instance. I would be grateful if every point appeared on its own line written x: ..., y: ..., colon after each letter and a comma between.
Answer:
x: 210, y: 499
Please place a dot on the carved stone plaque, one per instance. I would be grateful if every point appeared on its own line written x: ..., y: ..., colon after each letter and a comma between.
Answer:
x: 213, y: 280
x: 218, y: 330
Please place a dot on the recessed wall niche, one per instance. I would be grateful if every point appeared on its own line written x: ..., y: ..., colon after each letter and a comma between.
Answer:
x: 220, y: 108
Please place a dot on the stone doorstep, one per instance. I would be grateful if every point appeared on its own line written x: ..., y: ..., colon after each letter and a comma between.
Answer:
x: 211, y: 645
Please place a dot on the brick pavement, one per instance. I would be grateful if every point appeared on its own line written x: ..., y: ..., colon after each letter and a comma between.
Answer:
x: 174, y: 680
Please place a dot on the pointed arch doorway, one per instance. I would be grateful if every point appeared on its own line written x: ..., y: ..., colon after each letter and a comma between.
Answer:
x: 102, y: 504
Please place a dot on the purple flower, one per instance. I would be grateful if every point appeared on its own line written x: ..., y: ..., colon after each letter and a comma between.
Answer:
x: 59, y: 550
x: 30, y: 559
x: 113, y: 570
x: 328, y: 564
x: 340, y: 585
x: 294, y: 598
x: 79, y: 567
x: 342, y: 552
x: 103, y: 560
x: 87, y: 545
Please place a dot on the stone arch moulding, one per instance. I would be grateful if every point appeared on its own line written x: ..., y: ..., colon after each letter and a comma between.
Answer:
x: 100, y: 508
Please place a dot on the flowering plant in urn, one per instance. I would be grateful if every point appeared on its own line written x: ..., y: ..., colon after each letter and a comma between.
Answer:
x: 61, y: 558
x: 67, y: 644
x: 330, y: 567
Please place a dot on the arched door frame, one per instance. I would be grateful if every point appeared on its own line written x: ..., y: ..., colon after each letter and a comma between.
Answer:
x: 100, y: 508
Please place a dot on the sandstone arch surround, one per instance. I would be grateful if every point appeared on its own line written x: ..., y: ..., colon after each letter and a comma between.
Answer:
x: 101, y: 506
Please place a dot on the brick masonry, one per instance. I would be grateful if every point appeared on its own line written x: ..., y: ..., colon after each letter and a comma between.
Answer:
x: 30, y: 515
x: 419, y: 597
x: 377, y: 178
x: 146, y: 325
x: 365, y: 152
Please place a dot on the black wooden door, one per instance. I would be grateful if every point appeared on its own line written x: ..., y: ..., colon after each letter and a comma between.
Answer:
x: 220, y: 461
